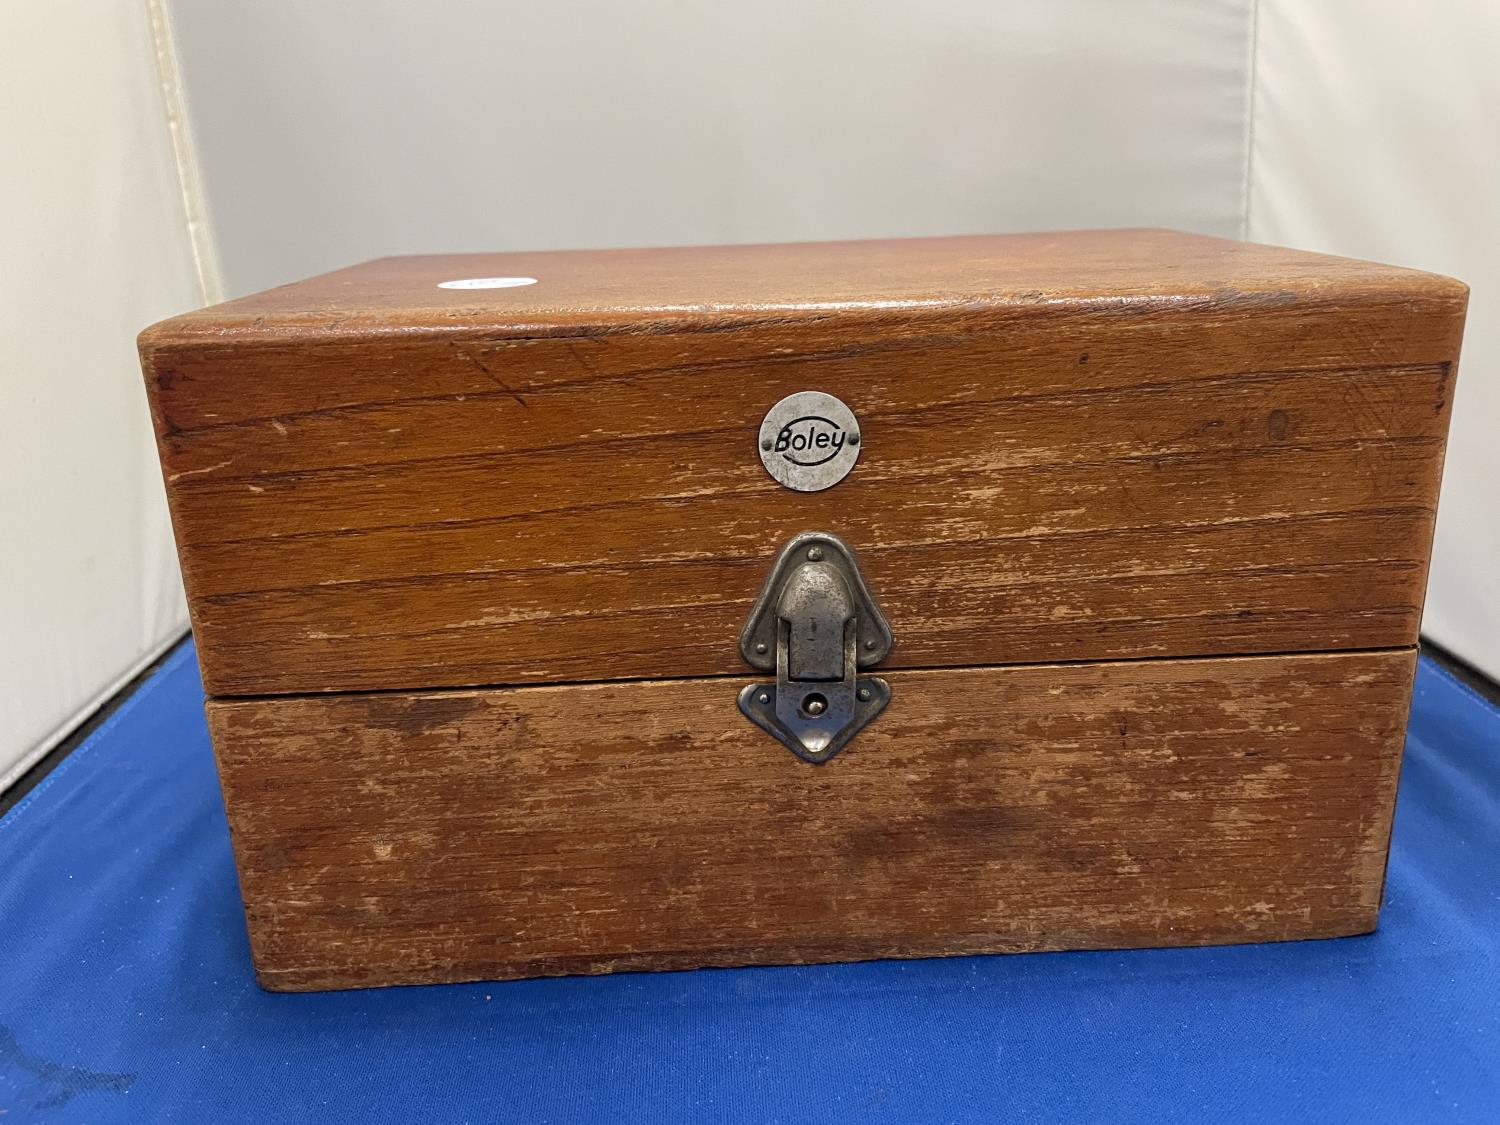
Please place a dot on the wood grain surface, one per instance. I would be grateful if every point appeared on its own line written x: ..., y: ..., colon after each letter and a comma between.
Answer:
x: 441, y: 836
x: 1077, y: 447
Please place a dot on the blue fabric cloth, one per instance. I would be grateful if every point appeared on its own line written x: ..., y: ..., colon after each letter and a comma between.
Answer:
x: 126, y: 992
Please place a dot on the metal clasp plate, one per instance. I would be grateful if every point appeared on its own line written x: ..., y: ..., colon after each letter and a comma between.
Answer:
x: 816, y: 623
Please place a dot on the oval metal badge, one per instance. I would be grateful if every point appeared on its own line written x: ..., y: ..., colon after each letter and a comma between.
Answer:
x: 809, y: 441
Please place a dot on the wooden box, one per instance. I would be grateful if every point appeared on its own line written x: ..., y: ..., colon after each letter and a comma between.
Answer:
x: 1137, y: 529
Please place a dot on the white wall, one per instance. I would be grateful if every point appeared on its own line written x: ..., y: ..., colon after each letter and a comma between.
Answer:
x: 1377, y: 135
x: 93, y: 245
x: 333, y: 133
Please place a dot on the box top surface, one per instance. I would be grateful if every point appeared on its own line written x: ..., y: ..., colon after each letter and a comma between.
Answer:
x: 681, y: 288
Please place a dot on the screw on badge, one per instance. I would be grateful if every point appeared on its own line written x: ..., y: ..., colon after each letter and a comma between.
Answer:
x: 809, y: 441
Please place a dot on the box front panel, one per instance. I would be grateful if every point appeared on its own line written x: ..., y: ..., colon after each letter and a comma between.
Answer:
x: 415, y: 837
x: 1095, y: 480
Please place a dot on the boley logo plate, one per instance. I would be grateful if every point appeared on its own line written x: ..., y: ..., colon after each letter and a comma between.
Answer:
x: 809, y: 441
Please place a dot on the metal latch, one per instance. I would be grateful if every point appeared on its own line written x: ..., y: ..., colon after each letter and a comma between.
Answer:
x: 816, y: 623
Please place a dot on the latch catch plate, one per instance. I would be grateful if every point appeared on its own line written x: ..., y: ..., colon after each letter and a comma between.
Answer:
x: 816, y: 623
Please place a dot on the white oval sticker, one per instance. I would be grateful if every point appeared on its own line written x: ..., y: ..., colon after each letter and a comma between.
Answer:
x: 487, y: 283
x: 809, y: 441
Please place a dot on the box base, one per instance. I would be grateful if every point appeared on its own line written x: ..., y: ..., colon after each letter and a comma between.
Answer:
x: 421, y: 837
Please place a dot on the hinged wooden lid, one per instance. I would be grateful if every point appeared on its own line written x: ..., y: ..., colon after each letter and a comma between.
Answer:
x: 1075, y: 447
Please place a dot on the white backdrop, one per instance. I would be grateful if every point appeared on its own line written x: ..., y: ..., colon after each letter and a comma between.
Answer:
x: 94, y: 243
x: 329, y: 132
x: 1377, y: 135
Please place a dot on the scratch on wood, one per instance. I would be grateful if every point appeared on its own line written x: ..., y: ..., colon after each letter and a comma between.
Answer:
x: 489, y: 374
x: 174, y: 477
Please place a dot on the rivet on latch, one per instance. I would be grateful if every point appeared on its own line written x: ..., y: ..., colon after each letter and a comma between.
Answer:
x: 822, y: 621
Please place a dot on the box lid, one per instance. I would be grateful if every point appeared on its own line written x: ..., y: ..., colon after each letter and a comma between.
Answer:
x: 1076, y: 446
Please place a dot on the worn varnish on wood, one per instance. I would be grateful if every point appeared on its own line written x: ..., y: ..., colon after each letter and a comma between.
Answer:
x: 1134, y: 447
x: 1113, y: 445
x: 524, y: 831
